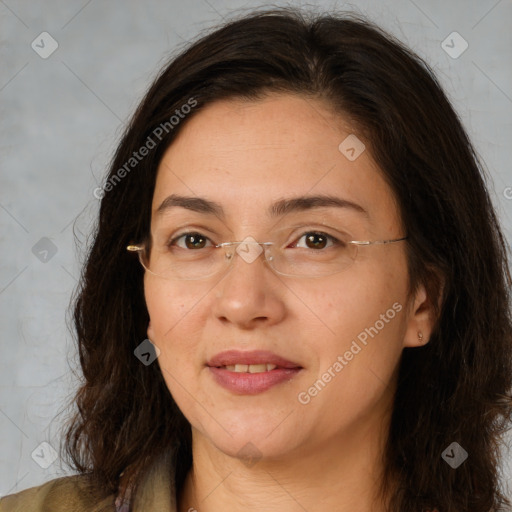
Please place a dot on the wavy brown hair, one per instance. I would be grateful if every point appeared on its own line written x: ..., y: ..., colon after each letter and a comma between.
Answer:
x: 457, y: 388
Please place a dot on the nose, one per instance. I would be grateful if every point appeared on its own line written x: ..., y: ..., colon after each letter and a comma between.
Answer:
x: 250, y: 294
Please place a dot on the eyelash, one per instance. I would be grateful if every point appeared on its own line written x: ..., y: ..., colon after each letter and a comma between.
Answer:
x: 335, y: 241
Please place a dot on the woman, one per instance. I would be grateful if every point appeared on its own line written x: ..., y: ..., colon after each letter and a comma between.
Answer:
x: 352, y: 349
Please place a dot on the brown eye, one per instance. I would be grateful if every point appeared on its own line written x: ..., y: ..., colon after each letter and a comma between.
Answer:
x: 317, y: 240
x: 192, y: 241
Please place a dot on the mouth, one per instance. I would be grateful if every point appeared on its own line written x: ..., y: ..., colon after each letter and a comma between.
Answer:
x: 254, y: 361
x: 253, y: 372
x: 250, y: 368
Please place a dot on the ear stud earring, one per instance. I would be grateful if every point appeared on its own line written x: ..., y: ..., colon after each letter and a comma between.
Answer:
x: 420, y: 336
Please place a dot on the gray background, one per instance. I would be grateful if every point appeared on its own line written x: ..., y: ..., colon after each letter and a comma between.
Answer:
x: 62, y: 116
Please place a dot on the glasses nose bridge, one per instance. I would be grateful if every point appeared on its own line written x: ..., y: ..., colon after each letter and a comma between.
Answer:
x: 247, y: 255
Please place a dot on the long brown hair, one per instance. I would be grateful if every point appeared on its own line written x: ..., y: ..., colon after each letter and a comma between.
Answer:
x: 454, y: 389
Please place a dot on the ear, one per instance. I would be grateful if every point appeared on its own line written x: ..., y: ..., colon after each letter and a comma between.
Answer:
x: 421, y: 320
x: 150, y: 333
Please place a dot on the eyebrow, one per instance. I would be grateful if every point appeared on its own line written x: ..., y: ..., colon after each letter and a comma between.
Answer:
x: 277, y: 209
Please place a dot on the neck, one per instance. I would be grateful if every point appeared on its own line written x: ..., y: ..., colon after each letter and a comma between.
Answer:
x: 344, y: 474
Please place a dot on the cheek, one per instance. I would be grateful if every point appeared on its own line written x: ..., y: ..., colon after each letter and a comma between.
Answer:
x: 173, y: 325
x: 176, y: 318
x: 361, y: 317
x: 352, y: 303
x: 359, y: 353
x: 168, y: 304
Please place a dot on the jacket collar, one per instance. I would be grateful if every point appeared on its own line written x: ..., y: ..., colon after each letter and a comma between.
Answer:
x: 157, y: 491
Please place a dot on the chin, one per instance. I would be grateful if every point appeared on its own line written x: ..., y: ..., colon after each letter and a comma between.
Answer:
x: 244, y: 438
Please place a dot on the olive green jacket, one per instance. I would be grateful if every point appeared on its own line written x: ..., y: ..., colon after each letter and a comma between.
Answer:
x: 69, y: 494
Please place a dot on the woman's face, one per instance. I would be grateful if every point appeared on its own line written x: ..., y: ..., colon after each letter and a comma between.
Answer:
x: 342, y: 334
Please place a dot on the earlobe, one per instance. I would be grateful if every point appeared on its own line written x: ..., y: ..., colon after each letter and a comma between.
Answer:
x: 421, y: 319
x: 150, y: 332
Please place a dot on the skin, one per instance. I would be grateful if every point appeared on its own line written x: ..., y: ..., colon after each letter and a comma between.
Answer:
x: 246, y: 155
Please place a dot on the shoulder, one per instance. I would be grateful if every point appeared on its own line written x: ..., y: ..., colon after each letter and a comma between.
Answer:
x: 61, y: 494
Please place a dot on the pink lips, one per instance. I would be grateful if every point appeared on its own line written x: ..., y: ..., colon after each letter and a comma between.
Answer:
x: 251, y: 383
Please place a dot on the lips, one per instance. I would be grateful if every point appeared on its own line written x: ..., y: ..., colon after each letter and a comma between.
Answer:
x: 254, y: 357
x: 250, y: 373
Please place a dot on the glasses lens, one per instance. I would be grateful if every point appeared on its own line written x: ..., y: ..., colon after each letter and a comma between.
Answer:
x: 317, y: 255
x: 313, y: 258
x: 178, y: 263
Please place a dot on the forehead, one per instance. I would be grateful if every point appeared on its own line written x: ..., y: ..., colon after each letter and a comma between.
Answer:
x: 246, y: 155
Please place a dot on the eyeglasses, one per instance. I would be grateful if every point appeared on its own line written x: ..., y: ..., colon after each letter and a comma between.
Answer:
x: 321, y: 255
